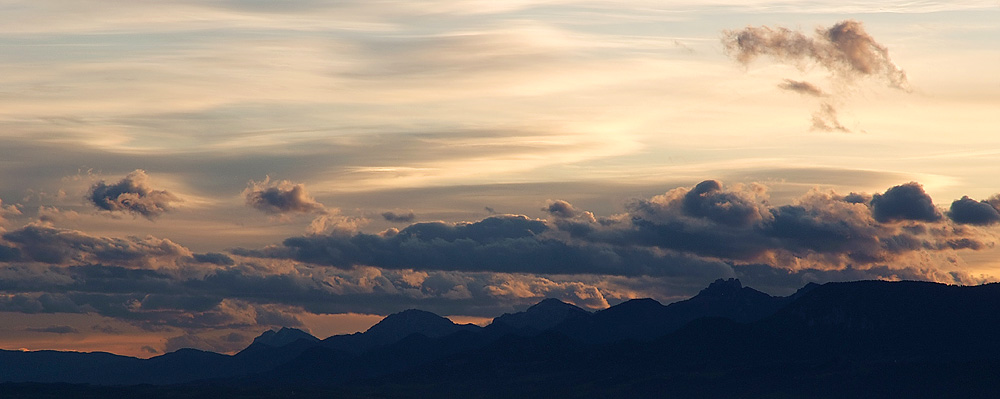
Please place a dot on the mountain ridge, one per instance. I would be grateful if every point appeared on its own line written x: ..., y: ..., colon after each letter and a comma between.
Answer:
x: 726, y: 335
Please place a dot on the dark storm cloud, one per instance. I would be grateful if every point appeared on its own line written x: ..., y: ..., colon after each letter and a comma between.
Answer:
x: 802, y: 88
x: 398, y: 217
x: 132, y: 194
x: 844, y: 49
x: 280, y: 197
x: 969, y: 211
x: 904, y: 202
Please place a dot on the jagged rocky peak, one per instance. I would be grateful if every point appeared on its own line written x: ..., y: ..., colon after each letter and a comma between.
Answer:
x: 722, y: 287
x: 282, y: 337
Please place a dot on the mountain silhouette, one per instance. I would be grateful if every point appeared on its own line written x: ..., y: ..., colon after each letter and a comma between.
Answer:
x: 539, y: 317
x: 395, y: 327
x: 282, y: 337
x: 851, y: 339
x: 646, y: 319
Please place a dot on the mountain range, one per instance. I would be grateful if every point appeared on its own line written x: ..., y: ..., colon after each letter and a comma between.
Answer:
x: 860, y: 339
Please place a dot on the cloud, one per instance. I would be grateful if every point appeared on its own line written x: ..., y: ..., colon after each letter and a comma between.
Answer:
x: 734, y: 208
x: 333, y: 222
x: 969, y: 211
x: 54, y: 330
x: 825, y: 119
x: 825, y: 231
x: 7, y: 211
x: 561, y: 209
x: 39, y: 243
x: 508, y: 244
x: 844, y: 49
x: 398, y: 217
x: 281, y: 197
x: 214, y: 258
x: 52, y: 215
x: 685, y: 234
x: 667, y: 247
x: 132, y: 194
x: 802, y: 88
x: 904, y: 202
x: 106, y: 329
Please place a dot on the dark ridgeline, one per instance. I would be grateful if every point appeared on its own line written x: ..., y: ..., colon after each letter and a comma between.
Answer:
x: 856, y: 339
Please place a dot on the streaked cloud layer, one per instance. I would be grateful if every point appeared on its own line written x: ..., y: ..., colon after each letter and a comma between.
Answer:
x: 191, y: 172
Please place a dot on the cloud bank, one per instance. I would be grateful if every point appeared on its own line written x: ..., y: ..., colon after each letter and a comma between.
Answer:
x: 666, y: 247
x: 707, y: 229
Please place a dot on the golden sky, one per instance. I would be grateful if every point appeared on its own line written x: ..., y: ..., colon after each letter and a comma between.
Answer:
x: 195, y: 172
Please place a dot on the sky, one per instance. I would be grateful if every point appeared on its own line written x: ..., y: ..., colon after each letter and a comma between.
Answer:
x: 192, y: 173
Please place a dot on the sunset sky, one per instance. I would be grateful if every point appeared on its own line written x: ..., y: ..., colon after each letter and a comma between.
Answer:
x: 192, y: 173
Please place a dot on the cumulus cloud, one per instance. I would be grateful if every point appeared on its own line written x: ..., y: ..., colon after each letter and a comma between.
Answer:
x: 820, y: 230
x: 7, y: 211
x: 969, y: 211
x: 398, y: 217
x: 904, y: 202
x: 846, y: 50
x: 133, y: 195
x: 734, y: 208
x: 282, y: 197
x: 561, y: 209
